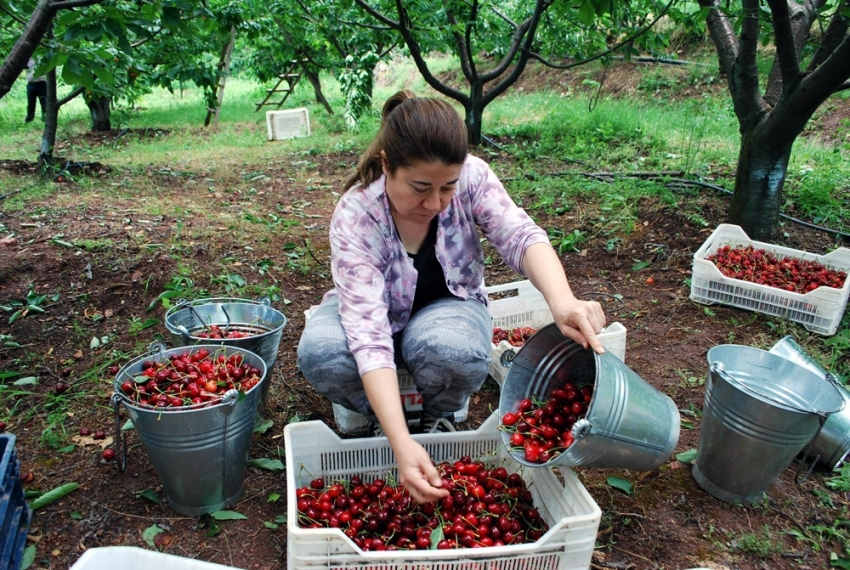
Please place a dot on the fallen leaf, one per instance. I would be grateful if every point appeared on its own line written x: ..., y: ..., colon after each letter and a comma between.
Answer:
x: 582, y: 253
x: 10, y: 241
x: 87, y: 440
x: 675, y: 465
x: 78, y: 355
x: 136, y: 276
x: 107, y: 313
x: 304, y: 288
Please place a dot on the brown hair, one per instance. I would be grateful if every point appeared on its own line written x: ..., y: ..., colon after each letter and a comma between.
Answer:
x: 412, y: 128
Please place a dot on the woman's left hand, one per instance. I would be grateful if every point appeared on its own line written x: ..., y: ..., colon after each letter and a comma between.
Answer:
x: 580, y: 321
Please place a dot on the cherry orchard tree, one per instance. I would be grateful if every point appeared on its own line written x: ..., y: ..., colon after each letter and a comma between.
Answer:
x: 37, y: 21
x: 807, y: 68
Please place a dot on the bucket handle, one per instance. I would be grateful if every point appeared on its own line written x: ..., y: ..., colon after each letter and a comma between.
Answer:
x: 720, y: 368
x: 797, y: 479
x: 121, y: 446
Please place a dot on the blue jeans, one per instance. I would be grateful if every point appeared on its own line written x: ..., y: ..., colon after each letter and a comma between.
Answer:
x: 445, y: 347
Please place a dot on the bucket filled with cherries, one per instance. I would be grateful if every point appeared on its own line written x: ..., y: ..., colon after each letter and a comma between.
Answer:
x: 562, y: 403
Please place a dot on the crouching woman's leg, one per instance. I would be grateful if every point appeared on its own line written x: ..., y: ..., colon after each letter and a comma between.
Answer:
x: 446, y: 347
x: 327, y: 363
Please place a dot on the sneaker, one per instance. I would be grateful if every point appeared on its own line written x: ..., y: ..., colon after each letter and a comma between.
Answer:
x: 430, y: 424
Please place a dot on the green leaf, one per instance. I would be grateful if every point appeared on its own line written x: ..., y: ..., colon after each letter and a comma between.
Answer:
x: 436, y: 537
x: 28, y: 558
x: 586, y: 13
x: 687, y: 425
x: 62, y: 243
x: 688, y: 456
x: 128, y: 425
x: 228, y: 516
x: 265, y: 463
x: 150, y: 533
x: 150, y: 496
x: 270, y: 525
x: 621, y: 484
x: 263, y: 426
x: 32, y: 493
x: 53, y: 495
x: 148, y: 324
x: 641, y: 265
x: 94, y: 343
x: 28, y: 381
x: 6, y: 374
x: 837, y: 561
x: 66, y: 449
x: 76, y: 516
x: 273, y: 498
x: 280, y: 519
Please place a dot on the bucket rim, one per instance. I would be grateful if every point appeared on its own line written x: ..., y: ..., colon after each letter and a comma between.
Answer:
x: 718, y: 366
x: 155, y: 352
x: 186, y: 303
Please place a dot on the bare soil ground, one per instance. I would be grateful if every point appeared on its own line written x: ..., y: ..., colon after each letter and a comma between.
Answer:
x: 101, y: 290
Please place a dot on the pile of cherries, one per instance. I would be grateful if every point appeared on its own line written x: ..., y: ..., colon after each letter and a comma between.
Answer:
x: 198, y: 379
x: 764, y: 268
x: 515, y: 337
x: 540, y: 430
x: 216, y: 332
x: 486, y: 507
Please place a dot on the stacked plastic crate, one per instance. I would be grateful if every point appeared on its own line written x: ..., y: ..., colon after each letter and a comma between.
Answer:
x: 14, y: 513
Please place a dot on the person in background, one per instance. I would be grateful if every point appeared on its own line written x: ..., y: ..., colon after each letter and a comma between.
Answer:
x: 408, y: 271
x: 36, y: 89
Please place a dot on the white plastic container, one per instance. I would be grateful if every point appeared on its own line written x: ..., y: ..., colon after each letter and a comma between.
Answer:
x: 313, y: 450
x: 133, y: 558
x: 820, y: 311
x: 528, y: 308
x: 288, y: 124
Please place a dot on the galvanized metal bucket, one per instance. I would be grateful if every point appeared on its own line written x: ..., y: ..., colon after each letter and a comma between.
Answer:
x: 831, y: 447
x: 628, y: 423
x: 760, y: 411
x: 199, y: 453
x: 186, y: 319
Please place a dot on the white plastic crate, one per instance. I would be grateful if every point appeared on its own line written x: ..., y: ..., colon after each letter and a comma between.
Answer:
x: 313, y: 450
x: 133, y: 558
x: 288, y: 124
x: 351, y: 422
x: 820, y: 311
x: 528, y: 308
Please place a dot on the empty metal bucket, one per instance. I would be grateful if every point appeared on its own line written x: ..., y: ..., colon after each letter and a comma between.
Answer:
x: 831, y: 446
x: 628, y: 423
x: 187, y: 319
x: 199, y: 453
x: 760, y: 411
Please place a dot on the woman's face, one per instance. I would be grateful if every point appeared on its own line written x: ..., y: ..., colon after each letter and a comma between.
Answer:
x: 422, y: 190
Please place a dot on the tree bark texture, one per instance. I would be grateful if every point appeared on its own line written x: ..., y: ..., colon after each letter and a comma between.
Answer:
x: 313, y: 78
x: 51, y: 122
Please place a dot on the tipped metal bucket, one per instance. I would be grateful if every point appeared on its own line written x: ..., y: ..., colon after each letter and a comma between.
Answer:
x: 628, y: 424
x: 199, y: 453
x: 831, y: 447
x: 760, y: 411
x: 187, y: 319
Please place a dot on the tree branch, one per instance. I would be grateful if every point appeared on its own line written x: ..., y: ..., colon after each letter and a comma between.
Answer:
x: 722, y: 35
x: 510, y: 22
x: 467, y: 66
x: 516, y: 41
x: 614, y: 48
x: 832, y: 37
x: 377, y: 15
x: 786, y: 53
x: 68, y: 4
x: 13, y: 16
x: 70, y: 96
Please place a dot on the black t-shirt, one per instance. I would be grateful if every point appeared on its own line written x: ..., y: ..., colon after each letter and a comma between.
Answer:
x: 431, y: 283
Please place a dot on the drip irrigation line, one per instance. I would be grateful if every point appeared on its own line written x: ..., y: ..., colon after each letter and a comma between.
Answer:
x: 673, y: 180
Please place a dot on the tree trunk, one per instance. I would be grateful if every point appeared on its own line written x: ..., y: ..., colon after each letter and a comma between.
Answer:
x: 51, y: 121
x: 99, y: 107
x: 16, y: 62
x: 313, y: 78
x: 757, y: 200
x: 473, y: 122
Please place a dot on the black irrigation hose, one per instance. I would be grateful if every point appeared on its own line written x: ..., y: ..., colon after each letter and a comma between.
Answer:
x: 673, y: 181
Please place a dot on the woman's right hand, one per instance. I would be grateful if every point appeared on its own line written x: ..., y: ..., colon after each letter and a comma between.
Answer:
x: 417, y: 473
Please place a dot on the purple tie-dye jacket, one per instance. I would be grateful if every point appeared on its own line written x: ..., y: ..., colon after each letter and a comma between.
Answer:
x: 374, y: 277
